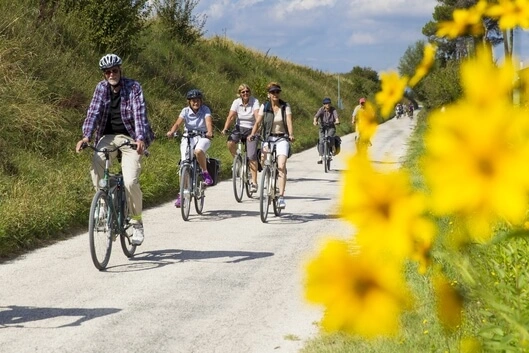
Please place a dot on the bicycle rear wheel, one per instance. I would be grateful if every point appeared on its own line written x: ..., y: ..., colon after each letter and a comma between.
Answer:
x: 199, y: 192
x: 248, y: 177
x: 264, y: 195
x: 126, y: 232
x: 100, y: 230
x: 238, y: 177
x: 186, y: 191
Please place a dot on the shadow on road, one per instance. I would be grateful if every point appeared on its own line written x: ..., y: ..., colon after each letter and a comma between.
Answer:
x: 293, y: 218
x: 16, y: 316
x: 300, y: 180
x: 149, y: 260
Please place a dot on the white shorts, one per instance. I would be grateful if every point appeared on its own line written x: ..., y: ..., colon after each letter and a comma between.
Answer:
x: 282, y: 145
x: 197, y: 143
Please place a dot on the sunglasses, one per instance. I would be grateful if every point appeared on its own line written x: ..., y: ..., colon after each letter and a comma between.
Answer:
x: 113, y: 71
x: 244, y: 92
x: 275, y: 92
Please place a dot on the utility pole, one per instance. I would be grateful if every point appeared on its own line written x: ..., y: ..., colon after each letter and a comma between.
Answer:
x: 340, y: 105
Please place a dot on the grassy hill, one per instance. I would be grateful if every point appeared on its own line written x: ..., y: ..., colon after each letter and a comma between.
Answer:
x: 48, y: 71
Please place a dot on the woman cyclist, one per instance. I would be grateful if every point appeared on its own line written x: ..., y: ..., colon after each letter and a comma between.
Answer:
x: 244, y: 109
x: 195, y: 117
x: 275, y: 116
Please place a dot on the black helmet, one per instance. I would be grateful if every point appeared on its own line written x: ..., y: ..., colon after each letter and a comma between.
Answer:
x: 326, y: 101
x: 194, y: 93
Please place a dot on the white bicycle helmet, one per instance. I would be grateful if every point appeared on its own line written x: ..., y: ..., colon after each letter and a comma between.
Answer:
x: 109, y: 60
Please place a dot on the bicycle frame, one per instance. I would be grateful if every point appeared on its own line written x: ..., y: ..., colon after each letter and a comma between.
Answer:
x: 196, y: 188
x: 269, y: 192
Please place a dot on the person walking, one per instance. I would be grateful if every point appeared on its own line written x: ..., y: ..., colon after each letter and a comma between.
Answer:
x: 244, y: 110
x: 118, y: 112
x: 195, y: 117
x: 275, y: 121
x: 327, y: 118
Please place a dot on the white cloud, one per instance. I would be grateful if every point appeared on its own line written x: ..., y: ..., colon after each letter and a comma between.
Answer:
x: 361, y: 38
x: 363, y: 8
x: 286, y: 7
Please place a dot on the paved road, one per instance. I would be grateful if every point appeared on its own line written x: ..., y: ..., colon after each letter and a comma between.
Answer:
x: 223, y: 282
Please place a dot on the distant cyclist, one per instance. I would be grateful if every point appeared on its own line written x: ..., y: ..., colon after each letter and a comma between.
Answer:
x: 327, y: 118
x: 195, y: 117
x: 275, y: 116
x: 244, y: 109
x: 356, y: 111
x: 117, y: 112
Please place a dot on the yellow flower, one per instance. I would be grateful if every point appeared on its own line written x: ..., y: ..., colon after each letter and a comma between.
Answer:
x: 449, y: 303
x: 361, y: 294
x: 470, y: 345
x: 475, y: 164
x: 511, y: 13
x: 424, y: 66
x: 484, y: 82
x: 465, y: 21
x: 385, y: 209
x: 393, y: 87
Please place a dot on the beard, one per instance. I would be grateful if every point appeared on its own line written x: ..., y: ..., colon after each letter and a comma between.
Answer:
x: 113, y: 81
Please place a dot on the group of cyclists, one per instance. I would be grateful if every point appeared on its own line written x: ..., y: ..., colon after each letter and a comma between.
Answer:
x: 117, y: 112
x: 401, y: 110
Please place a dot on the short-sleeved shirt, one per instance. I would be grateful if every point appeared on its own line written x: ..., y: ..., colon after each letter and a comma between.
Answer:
x: 195, y: 121
x: 245, y: 116
x: 277, y: 126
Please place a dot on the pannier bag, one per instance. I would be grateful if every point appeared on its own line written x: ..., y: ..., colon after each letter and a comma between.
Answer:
x: 213, y: 166
x: 337, y: 144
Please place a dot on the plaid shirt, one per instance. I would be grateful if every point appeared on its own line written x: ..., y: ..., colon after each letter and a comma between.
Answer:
x: 133, y: 111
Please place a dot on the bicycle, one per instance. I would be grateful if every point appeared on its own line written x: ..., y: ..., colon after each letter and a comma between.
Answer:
x: 192, y: 184
x: 269, y: 191
x: 241, y: 171
x: 327, y: 152
x: 109, y: 213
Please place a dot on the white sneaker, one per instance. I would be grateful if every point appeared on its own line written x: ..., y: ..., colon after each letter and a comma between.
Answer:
x: 253, y: 187
x: 137, y: 235
x: 281, y: 202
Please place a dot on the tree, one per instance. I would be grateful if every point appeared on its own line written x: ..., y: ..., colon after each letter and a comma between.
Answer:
x: 112, y: 25
x: 178, y: 18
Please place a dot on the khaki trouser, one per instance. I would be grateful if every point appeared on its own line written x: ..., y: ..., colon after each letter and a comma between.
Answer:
x: 130, y: 167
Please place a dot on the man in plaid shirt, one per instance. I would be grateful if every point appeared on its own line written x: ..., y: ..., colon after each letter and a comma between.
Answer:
x: 117, y: 112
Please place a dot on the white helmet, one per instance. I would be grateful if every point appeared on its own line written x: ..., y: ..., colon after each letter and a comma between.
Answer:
x: 109, y: 60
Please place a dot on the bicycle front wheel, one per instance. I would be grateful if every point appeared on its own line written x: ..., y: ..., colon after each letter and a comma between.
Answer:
x: 277, y: 209
x: 186, y: 191
x: 326, y: 160
x: 264, y: 196
x: 247, y: 178
x: 238, y: 177
x: 126, y: 232
x: 100, y: 230
x: 199, y: 193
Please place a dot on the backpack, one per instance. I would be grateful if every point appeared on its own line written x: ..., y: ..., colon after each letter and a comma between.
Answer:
x: 337, y: 144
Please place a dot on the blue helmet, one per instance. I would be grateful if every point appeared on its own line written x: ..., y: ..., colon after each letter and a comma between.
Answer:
x: 194, y: 93
x: 326, y: 101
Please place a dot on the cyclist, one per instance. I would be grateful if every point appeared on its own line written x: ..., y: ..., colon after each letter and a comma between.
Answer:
x: 195, y: 117
x: 117, y: 112
x: 399, y: 110
x: 410, y: 109
x: 245, y: 109
x: 327, y: 117
x: 360, y: 106
x: 275, y: 116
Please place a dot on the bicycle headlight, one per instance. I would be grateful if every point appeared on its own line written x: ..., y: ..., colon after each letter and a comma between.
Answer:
x: 103, y: 183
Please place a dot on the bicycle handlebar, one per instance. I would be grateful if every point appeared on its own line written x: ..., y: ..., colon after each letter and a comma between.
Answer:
x: 133, y: 145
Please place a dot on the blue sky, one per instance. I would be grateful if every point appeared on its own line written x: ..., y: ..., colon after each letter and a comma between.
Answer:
x: 329, y: 35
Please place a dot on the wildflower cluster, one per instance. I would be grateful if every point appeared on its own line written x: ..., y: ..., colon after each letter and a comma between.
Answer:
x: 475, y: 171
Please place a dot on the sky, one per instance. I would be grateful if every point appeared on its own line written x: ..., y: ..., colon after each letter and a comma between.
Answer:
x: 329, y: 35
